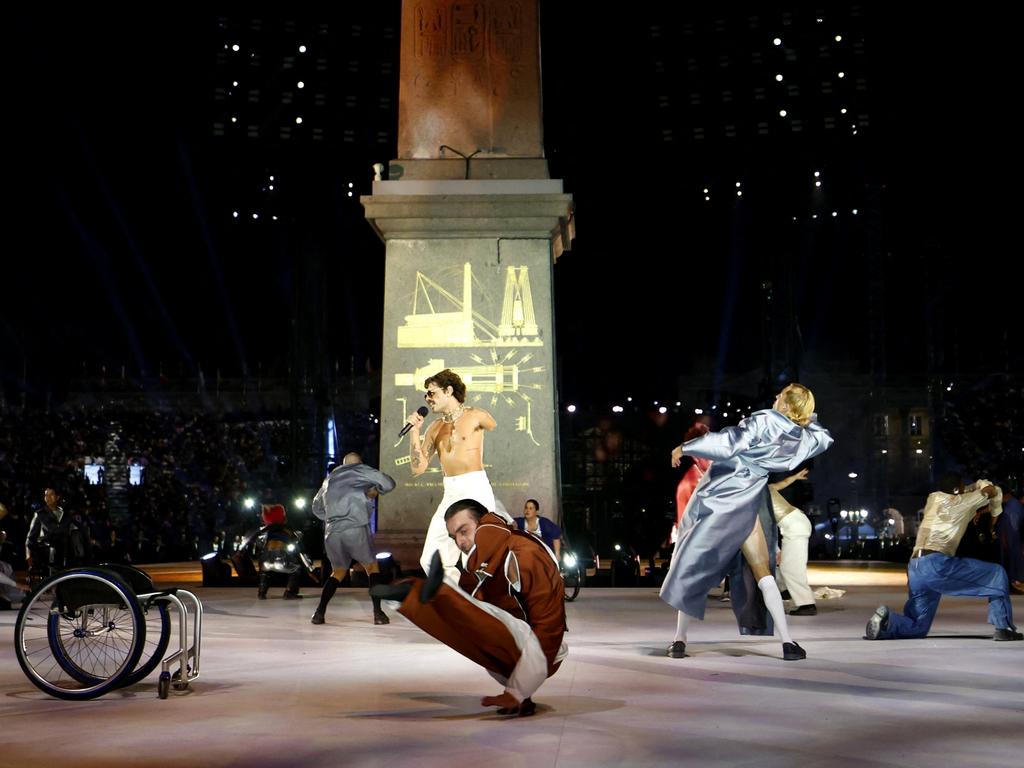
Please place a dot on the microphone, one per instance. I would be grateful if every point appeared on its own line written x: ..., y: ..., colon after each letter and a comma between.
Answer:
x: 422, y: 411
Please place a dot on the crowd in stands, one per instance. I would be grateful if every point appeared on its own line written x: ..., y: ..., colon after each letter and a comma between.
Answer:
x: 194, y: 470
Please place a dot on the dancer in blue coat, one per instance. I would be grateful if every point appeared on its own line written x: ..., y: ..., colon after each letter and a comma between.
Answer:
x: 721, y: 518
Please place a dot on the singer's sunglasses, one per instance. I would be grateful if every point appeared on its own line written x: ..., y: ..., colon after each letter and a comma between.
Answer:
x: 431, y: 393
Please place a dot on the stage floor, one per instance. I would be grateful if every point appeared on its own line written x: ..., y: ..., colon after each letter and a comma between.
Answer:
x: 278, y: 691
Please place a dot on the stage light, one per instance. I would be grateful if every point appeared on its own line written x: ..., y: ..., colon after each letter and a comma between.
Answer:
x: 249, y: 502
x: 571, y: 409
x: 300, y: 503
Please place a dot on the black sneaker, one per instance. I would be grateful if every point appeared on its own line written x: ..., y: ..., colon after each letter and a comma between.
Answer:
x: 1004, y: 635
x: 878, y: 623
x: 793, y: 652
x: 804, y: 610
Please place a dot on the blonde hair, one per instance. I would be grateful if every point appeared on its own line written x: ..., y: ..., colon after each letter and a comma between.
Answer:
x: 797, y: 404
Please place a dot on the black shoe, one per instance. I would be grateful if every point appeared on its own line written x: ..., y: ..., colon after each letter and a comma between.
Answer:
x: 525, y: 709
x: 1003, y: 635
x: 433, y: 581
x: 804, y: 610
x: 397, y: 592
x: 379, y: 617
x: 677, y: 650
x: 317, y: 618
x: 291, y: 595
x: 878, y: 623
x: 793, y: 652
x: 785, y: 595
x: 261, y: 595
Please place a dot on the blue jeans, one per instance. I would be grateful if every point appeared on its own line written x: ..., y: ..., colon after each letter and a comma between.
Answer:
x: 932, y: 576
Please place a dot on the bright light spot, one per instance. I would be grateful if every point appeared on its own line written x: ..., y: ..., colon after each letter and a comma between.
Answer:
x: 725, y: 415
x: 290, y: 547
x: 571, y: 409
x: 777, y: 41
x: 234, y: 214
x: 300, y: 503
x: 300, y: 84
x: 616, y: 409
x: 839, y: 38
x: 852, y: 475
x: 629, y: 399
x: 298, y: 121
x: 842, y: 111
x: 618, y: 548
x: 350, y: 185
x: 778, y: 78
x: 884, y: 450
x: 782, y: 113
x: 569, y: 559
x: 814, y: 215
x: 302, y: 49
x: 274, y: 218
x: 209, y: 556
x: 842, y: 75
x: 350, y: 194
x: 817, y: 174
x: 234, y: 83
x: 249, y: 502
x: 255, y: 215
x: 271, y: 178
x: 234, y: 47
x: 834, y: 214
x: 817, y: 183
x: 271, y: 187
x: 698, y: 411
x: 705, y: 190
x: 713, y: 407
x: 737, y: 185
x: 739, y: 193
x: 918, y: 451
x: 854, y: 211
x: 707, y: 198
x: 663, y: 409
x: 678, y: 403
x: 234, y: 119
x: 383, y: 555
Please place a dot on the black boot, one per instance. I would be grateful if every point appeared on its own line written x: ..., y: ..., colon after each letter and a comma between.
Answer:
x: 379, y: 617
x: 330, y: 587
x: 397, y: 592
x: 261, y: 593
x: 435, y: 576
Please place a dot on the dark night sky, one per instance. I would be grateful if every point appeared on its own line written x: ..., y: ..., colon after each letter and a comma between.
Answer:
x: 121, y: 248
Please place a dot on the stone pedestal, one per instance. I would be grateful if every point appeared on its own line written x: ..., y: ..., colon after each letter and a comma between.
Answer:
x: 468, y: 286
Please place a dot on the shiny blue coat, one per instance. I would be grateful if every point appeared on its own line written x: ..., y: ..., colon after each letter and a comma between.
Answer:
x: 722, y: 510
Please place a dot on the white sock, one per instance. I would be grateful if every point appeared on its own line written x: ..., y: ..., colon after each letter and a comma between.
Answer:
x: 682, y: 623
x: 773, y: 599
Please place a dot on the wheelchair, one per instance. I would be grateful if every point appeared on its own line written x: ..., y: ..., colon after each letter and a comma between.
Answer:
x: 86, y: 631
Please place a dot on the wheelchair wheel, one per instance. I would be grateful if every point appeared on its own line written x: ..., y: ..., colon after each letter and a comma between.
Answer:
x: 79, y: 634
x: 572, y: 578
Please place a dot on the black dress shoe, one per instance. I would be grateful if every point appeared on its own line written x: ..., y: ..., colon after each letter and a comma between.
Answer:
x: 804, y: 610
x: 397, y: 591
x: 677, y: 650
x: 793, y: 652
x: 379, y: 617
x: 291, y: 595
x: 1003, y: 635
x: 435, y: 575
x: 317, y: 618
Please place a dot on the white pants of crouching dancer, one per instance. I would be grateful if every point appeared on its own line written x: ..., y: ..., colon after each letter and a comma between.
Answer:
x: 472, y: 485
x: 796, y: 535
